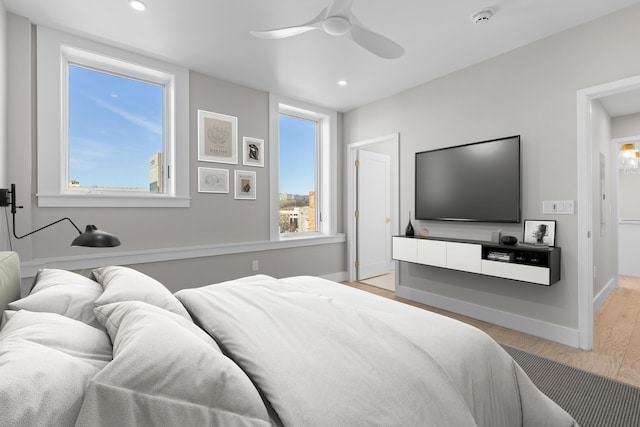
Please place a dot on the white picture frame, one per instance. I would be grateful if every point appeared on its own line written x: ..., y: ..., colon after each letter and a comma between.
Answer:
x: 212, y: 180
x: 245, y: 185
x: 217, y: 138
x: 253, y: 152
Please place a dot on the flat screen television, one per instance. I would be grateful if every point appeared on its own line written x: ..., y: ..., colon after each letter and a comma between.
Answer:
x: 472, y: 182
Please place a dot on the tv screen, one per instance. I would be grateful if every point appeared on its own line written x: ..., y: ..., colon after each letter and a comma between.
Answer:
x: 472, y: 182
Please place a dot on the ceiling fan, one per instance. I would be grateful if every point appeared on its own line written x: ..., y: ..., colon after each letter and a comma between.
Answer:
x: 338, y: 20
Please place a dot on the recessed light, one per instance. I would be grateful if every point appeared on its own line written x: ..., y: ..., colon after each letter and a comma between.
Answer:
x: 342, y: 82
x: 137, y: 5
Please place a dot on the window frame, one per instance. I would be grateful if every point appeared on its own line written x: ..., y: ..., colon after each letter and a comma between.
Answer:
x: 326, y: 192
x: 56, y: 50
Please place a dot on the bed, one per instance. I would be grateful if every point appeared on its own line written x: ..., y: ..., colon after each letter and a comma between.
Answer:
x: 117, y: 348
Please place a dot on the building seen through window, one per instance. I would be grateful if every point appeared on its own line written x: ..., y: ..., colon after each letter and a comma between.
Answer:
x: 298, y: 162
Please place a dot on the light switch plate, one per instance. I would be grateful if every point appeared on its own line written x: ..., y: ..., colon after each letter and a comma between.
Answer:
x: 558, y: 207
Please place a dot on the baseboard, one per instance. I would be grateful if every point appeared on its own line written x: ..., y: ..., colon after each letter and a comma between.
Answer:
x: 341, y: 276
x: 538, y: 328
x: 599, y: 299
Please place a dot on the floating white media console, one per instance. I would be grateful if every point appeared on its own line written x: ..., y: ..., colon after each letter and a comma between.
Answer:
x: 532, y: 264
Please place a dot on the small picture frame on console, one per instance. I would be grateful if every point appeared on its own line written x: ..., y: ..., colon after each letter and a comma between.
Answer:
x: 541, y: 233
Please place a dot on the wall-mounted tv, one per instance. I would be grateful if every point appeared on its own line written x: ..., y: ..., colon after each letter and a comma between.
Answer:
x: 473, y: 182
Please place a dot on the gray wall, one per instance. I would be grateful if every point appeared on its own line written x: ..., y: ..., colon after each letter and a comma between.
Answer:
x: 3, y: 108
x: 603, y: 223
x: 530, y: 91
x: 212, y: 219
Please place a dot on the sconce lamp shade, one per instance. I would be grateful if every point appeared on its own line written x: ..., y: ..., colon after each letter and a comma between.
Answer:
x: 627, y: 147
x: 94, y: 238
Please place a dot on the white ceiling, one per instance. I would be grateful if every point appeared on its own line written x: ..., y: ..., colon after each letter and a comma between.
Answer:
x: 212, y: 37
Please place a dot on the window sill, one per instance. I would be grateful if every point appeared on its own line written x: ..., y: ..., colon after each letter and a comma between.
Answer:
x: 110, y: 201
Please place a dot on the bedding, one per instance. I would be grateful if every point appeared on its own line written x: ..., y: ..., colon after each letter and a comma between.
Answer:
x: 127, y: 284
x: 46, y: 361
x: 325, y: 354
x: 63, y: 292
x: 166, y: 372
x: 299, y: 351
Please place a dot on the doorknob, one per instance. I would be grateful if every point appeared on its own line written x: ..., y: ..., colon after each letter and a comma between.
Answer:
x: 387, y: 219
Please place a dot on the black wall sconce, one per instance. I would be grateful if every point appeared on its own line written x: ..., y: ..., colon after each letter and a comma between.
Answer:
x: 92, y: 237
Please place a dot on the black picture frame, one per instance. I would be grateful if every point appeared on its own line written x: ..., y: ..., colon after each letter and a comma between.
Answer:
x: 539, y: 232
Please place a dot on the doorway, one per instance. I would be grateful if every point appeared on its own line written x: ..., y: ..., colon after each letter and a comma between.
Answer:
x: 357, y: 235
x: 586, y: 196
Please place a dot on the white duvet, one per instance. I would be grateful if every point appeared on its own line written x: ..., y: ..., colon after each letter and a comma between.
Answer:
x: 324, y: 354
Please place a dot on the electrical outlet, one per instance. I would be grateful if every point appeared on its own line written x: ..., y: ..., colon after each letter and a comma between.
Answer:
x: 255, y: 265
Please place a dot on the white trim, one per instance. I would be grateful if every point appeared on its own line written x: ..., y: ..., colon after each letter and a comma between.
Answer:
x: 527, y: 325
x: 604, y: 294
x: 630, y: 221
x: 328, y: 186
x: 53, y: 48
x: 350, y: 173
x: 585, y: 197
x: 30, y: 268
x: 108, y: 200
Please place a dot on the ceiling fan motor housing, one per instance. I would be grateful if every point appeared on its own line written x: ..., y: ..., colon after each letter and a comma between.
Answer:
x: 336, y: 25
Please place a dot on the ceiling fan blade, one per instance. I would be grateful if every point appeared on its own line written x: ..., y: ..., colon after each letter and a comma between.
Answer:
x: 339, y: 8
x: 374, y: 42
x: 280, y: 33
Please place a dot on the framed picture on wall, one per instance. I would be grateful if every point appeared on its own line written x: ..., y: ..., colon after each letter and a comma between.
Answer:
x: 252, y: 152
x: 212, y: 180
x: 245, y: 185
x: 217, y: 138
x: 539, y: 232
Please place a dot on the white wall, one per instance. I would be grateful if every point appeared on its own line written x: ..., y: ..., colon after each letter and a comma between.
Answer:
x: 529, y: 91
x: 628, y: 184
x: 628, y: 203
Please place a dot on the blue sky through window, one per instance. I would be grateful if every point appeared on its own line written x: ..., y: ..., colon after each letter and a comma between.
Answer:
x: 297, y: 148
x: 115, y: 126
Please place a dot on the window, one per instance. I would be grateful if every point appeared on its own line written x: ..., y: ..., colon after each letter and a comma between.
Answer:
x: 303, y: 169
x: 115, y: 133
x: 113, y: 119
x: 298, y: 169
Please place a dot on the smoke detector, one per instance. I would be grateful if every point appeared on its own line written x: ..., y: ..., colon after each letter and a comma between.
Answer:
x: 482, y: 16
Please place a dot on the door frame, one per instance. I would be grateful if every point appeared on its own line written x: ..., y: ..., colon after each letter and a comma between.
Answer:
x: 352, y: 152
x: 585, y: 200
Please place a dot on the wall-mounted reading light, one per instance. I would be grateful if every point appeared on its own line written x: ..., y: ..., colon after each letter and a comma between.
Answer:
x: 92, y: 237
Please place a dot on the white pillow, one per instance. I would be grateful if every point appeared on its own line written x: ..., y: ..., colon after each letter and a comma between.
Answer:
x: 126, y: 284
x: 127, y: 310
x: 42, y: 381
x: 61, y: 333
x: 63, y: 292
x: 6, y: 315
x: 166, y: 374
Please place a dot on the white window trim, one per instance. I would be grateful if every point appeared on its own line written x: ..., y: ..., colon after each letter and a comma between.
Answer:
x: 328, y: 185
x: 54, y: 50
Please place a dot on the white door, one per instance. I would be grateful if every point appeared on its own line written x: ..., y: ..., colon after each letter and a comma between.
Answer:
x: 374, y: 214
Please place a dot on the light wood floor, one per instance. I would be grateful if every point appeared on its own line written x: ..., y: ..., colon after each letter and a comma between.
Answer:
x: 616, y: 352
